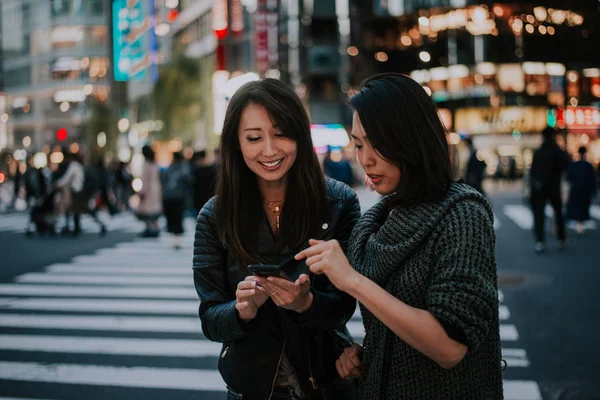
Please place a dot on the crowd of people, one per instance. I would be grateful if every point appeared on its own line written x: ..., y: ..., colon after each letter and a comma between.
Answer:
x: 58, y: 195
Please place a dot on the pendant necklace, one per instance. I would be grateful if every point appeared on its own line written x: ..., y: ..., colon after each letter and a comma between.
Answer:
x: 275, y: 207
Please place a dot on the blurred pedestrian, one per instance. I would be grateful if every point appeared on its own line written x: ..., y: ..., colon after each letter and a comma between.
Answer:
x: 150, y: 206
x: 475, y: 168
x: 75, y: 184
x: 122, y: 186
x: 421, y: 262
x: 582, y: 177
x: 545, y: 177
x: 176, y: 181
x: 204, y: 180
x: 271, y: 197
x: 104, y: 197
x: 337, y: 167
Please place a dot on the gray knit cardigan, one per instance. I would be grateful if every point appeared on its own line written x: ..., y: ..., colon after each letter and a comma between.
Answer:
x: 440, y: 257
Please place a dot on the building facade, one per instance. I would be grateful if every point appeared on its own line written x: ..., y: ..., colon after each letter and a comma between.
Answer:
x: 498, y: 70
x: 56, y: 66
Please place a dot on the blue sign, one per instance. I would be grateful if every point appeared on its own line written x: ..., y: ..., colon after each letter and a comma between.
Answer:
x: 134, y: 40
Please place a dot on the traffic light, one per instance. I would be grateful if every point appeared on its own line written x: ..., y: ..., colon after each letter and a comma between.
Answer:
x: 551, y: 117
x: 61, y: 134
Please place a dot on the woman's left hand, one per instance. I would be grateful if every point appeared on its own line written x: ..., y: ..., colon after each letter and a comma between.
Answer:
x: 295, y: 296
x: 328, y: 258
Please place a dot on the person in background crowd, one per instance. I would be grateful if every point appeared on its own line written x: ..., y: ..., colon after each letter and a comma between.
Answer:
x: 422, y: 261
x: 175, y: 182
x: 337, y: 167
x: 545, y: 176
x: 204, y: 179
x: 150, y: 206
x: 475, y: 168
x: 122, y: 186
x: 582, y: 177
x: 280, y: 337
x: 102, y: 179
x: 73, y: 183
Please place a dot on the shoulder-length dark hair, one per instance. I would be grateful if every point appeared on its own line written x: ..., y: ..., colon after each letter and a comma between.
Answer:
x: 238, y: 203
x: 402, y: 125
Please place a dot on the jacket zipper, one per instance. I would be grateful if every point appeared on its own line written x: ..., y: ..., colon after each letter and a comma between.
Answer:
x: 313, y: 381
x: 277, y: 371
x: 225, y: 351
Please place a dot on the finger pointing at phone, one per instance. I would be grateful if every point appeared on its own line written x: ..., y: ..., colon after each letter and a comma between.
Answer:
x: 328, y: 258
x: 295, y: 296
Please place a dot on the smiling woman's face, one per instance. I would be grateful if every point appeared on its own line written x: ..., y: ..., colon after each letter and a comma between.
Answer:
x: 384, y: 175
x: 267, y: 153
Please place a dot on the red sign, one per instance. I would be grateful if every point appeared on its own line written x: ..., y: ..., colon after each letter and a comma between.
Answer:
x: 261, y: 51
x: 219, y: 18
x: 577, y: 118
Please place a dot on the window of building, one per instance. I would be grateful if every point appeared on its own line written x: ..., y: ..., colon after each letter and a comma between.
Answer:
x: 18, y: 77
x: 95, y: 7
x: 61, y: 7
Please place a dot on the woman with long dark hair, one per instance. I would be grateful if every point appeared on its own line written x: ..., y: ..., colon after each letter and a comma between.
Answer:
x: 280, y: 337
x: 421, y: 262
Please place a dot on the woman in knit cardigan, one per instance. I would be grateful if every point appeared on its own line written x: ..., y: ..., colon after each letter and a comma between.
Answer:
x: 421, y: 262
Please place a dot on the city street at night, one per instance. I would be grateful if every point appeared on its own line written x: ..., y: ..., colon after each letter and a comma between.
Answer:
x: 116, y: 317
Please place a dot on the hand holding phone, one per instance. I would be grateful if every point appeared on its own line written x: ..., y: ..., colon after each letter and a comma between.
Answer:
x: 266, y: 270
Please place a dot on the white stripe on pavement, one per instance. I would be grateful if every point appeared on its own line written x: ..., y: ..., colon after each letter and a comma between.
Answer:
x: 508, y: 333
x: 185, y: 307
x: 503, y: 313
x: 116, y: 346
x: 521, y: 390
x: 500, y: 296
x: 165, y: 262
x: 515, y: 357
x: 103, y: 280
x: 121, y: 270
x: 595, y: 212
x: 169, y: 378
x: 97, y: 291
x: 103, y: 323
x: 158, y: 378
x: 18, y: 398
x: 497, y: 223
x: 520, y: 215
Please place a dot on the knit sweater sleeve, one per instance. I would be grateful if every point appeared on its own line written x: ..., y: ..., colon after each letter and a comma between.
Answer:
x: 463, y: 293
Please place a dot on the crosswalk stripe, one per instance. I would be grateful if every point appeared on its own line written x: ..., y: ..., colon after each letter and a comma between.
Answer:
x: 520, y: 215
x: 179, y: 307
x: 103, y: 279
x: 158, y: 378
x: 521, y: 390
x: 500, y: 296
x: 97, y: 291
x: 19, y: 398
x: 103, y: 323
x: 109, y: 259
x: 503, y: 313
x: 595, y: 211
x: 116, y: 346
x: 515, y: 357
x: 169, y: 378
x: 125, y: 269
x: 508, y: 333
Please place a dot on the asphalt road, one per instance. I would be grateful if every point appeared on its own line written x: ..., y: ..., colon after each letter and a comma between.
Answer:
x: 550, y: 311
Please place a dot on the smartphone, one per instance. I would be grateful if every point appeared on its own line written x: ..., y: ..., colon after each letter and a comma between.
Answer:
x: 266, y: 270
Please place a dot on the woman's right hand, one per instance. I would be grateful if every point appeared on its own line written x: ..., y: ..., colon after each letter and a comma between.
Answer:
x: 348, y: 365
x: 249, y: 298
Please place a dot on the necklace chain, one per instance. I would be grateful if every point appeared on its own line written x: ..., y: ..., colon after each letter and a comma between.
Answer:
x: 275, y: 207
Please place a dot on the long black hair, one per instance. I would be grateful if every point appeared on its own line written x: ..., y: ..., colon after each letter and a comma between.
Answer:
x: 238, y: 203
x: 402, y: 125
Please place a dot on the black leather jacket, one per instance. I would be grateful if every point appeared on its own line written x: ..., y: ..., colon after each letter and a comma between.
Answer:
x: 252, y: 351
